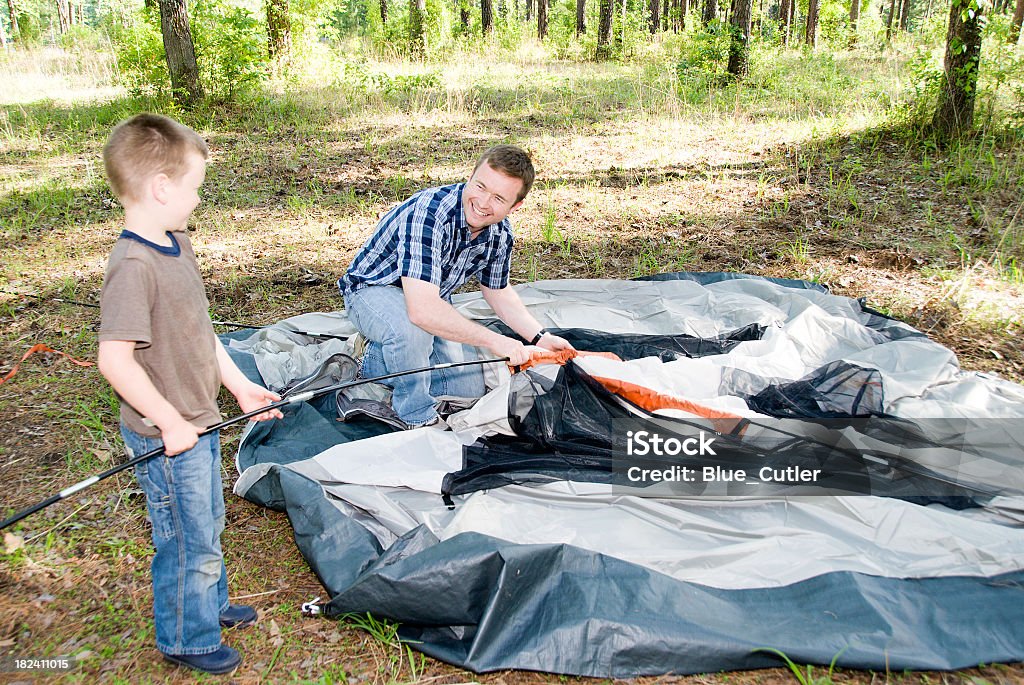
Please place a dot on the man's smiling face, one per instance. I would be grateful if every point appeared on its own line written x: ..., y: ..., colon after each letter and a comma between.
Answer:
x: 489, y: 197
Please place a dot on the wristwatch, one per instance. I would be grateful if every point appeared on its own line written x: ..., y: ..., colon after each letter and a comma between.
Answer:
x: 541, y: 334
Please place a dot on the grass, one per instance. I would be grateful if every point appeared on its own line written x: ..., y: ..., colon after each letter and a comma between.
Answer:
x: 805, y: 170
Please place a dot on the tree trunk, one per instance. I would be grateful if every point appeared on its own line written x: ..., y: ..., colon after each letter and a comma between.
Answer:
x: 279, y: 30
x: 784, y: 8
x: 655, y: 16
x: 623, y: 39
x: 955, y: 112
x: 581, y: 17
x: 710, y: 11
x: 62, y: 16
x: 739, y: 45
x: 486, y: 16
x: 679, y: 20
x: 384, y: 12
x: 464, y: 18
x: 542, y: 19
x: 905, y: 16
x: 417, y: 37
x: 604, y: 29
x: 888, y: 23
x: 14, y: 19
x: 180, y: 53
x: 854, y: 16
x: 1018, y: 19
x: 811, y: 35
x: 529, y: 10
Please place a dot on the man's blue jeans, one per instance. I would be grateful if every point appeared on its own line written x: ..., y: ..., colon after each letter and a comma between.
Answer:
x: 396, y: 344
x: 186, y: 507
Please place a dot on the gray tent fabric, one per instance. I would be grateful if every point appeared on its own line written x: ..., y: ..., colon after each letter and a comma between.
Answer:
x: 561, y: 570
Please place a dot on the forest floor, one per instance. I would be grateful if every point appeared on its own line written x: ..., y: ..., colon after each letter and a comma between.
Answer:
x: 633, y: 180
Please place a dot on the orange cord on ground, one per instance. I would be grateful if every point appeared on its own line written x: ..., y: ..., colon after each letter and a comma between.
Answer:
x: 42, y: 348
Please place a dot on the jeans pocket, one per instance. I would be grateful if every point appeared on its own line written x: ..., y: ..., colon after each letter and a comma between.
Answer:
x: 158, y: 502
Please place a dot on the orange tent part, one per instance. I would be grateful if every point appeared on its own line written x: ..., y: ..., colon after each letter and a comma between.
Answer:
x: 560, y: 357
x: 39, y: 347
x: 652, y: 400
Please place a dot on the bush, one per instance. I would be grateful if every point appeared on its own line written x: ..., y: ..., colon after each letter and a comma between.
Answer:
x: 230, y: 50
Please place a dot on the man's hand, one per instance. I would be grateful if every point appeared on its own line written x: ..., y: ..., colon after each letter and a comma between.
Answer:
x: 550, y: 341
x: 180, y: 436
x: 251, y: 397
x: 517, y: 352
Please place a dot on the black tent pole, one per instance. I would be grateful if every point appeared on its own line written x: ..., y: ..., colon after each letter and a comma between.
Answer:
x: 295, y: 399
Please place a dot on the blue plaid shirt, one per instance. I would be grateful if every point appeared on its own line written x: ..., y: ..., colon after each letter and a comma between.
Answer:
x: 427, y: 238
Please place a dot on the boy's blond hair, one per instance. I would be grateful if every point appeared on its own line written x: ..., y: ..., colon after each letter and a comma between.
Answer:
x: 144, y: 146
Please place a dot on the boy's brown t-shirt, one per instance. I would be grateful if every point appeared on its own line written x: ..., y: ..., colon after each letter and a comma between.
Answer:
x: 153, y: 296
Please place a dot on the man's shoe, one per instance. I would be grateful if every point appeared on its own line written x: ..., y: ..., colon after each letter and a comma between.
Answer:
x: 224, y: 660
x: 237, y: 616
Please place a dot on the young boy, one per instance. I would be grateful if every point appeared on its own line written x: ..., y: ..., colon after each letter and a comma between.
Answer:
x: 159, y: 353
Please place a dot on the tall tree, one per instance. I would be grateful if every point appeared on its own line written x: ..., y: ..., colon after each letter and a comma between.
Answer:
x: 279, y: 30
x: 486, y: 16
x: 63, y: 16
x: 13, y: 9
x: 1018, y: 19
x: 905, y: 15
x: 581, y: 17
x: 739, y: 44
x: 417, y: 30
x: 854, y: 16
x: 3, y: 34
x: 655, y: 16
x: 180, y: 52
x: 384, y: 12
x: 811, y: 34
x: 542, y: 19
x: 710, y: 11
x: 957, y: 90
x: 784, y: 16
x: 604, y: 29
x: 888, y: 23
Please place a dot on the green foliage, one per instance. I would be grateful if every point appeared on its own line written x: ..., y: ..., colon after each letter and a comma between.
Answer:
x: 230, y: 47
x: 807, y: 677
x: 229, y: 42
x: 704, y: 59
x: 139, y: 49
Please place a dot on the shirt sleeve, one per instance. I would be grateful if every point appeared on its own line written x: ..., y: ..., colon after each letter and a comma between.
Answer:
x: 497, y: 272
x: 421, y: 242
x: 124, y: 303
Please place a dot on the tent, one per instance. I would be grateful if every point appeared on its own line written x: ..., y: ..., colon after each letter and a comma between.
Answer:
x: 521, y: 539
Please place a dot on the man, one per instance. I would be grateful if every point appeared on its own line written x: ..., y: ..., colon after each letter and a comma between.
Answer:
x: 398, y: 289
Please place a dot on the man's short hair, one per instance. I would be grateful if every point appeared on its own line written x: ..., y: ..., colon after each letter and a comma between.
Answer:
x: 144, y: 146
x: 512, y: 161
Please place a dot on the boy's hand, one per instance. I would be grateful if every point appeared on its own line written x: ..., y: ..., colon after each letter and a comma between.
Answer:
x: 251, y: 397
x: 180, y: 437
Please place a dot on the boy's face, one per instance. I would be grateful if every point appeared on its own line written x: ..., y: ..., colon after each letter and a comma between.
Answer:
x: 489, y: 197
x: 181, y: 194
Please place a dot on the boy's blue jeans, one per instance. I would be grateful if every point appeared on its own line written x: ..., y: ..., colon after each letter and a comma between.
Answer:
x: 396, y: 344
x: 186, y: 507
